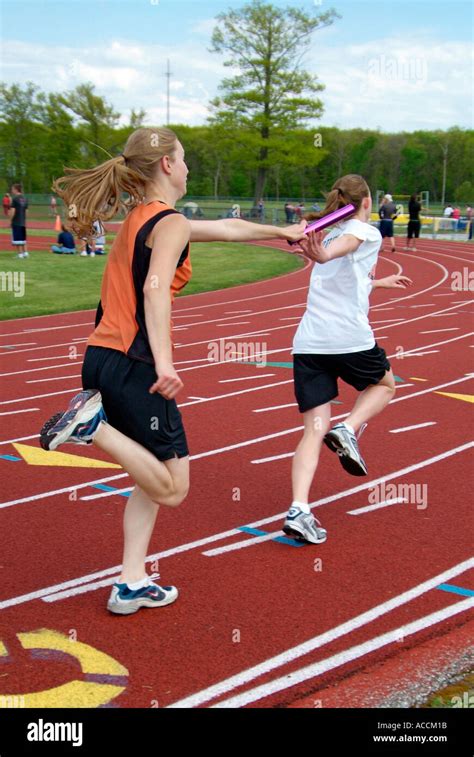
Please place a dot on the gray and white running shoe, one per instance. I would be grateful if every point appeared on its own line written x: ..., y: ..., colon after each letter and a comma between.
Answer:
x: 304, y: 526
x: 342, y: 441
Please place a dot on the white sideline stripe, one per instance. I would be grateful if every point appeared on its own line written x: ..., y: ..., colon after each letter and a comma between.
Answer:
x: 369, y: 508
x: 71, y: 364
x: 237, y: 312
x: 342, y: 658
x: 56, y: 378
x: 262, y: 460
x: 23, y: 344
x: 246, y: 378
x: 412, y: 428
x: 89, y: 324
x: 80, y: 590
x: 57, y: 357
x: 438, y: 331
x: 293, y: 653
x: 61, y: 491
x: 200, y: 542
x: 402, y: 386
x: 39, y: 396
x: 241, y: 544
x: 293, y: 318
x: 441, y: 315
x: 427, y: 305
x: 196, y: 398
x: 276, y: 407
x: 15, y: 412
x: 445, y: 294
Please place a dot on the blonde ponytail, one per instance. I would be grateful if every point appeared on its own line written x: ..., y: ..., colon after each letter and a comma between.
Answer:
x: 118, y: 184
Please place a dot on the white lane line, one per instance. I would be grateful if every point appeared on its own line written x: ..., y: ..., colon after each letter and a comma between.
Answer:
x: 229, y: 318
x: 238, y: 323
x: 369, y: 508
x: 274, y: 407
x: 418, y: 354
x: 234, y: 394
x: 196, y: 315
x: 428, y: 305
x: 22, y: 344
x: 56, y: 357
x: 191, y: 545
x: 246, y: 378
x: 445, y: 294
x: 388, y: 320
x: 39, y: 396
x: 241, y: 359
x: 56, y: 378
x: 237, y: 312
x: 342, y: 658
x: 196, y: 398
x: 293, y: 653
x: 250, y: 299
x: 89, y: 324
x: 242, y: 544
x: 293, y: 318
x: 438, y: 331
x: 402, y: 386
x: 16, y: 412
x: 42, y: 495
x: 71, y: 364
x: 36, y: 349
x: 441, y: 315
x: 412, y: 428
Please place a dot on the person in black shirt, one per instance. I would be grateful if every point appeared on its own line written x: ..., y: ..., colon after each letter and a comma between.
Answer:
x: 414, y: 224
x: 17, y: 215
x: 66, y: 244
x: 387, y: 212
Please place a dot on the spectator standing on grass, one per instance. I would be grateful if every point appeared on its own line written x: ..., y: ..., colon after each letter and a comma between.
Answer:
x: 289, y: 212
x: 53, y: 206
x: 65, y: 244
x: 448, y: 211
x: 414, y: 223
x: 387, y: 214
x: 300, y: 209
x: 261, y: 210
x: 6, y: 203
x: 17, y: 215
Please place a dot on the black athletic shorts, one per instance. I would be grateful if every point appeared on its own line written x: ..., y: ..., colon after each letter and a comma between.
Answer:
x: 386, y: 228
x: 149, y: 419
x: 18, y: 234
x: 413, y: 229
x: 316, y: 376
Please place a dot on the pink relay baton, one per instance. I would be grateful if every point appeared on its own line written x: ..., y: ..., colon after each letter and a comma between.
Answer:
x: 329, y: 220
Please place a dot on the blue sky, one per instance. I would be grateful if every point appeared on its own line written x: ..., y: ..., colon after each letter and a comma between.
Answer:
x: 386, y: 64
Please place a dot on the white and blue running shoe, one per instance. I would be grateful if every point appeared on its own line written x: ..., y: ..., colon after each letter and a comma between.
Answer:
x: 125, y: 601
x: 304, y: 526
x: 78, y: 424
x: 341, y: 440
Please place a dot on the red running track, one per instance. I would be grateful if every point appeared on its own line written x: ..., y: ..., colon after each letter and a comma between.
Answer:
x: 259, y: 622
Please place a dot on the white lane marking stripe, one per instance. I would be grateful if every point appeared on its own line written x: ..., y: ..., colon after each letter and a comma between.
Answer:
x: 56, y: 378
x: 234, y: 394
x: 412, y: 428
x: 389, y: 320
x: 246, y: 378
x: 441, y: 315
x: 369, y: 508
x: 35, y: 349
x: 128, y: 489
x: 318, y: 668
x: 15, y: 412
x: 39, y: 396
x: 320, y: 640
x: 438, y: 331
x: 65, y: 489
x: 22, y: 344
x: 242, y: 544
x: 237, y: 312
x: 225, y: 325
x: 419, y: 354
x: 56, y: 357
x: 274, y: 407
x: 207, y: 540
x: 71, y: 364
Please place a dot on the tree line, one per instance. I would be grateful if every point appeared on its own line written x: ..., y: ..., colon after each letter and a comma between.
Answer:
x: 41, y: 133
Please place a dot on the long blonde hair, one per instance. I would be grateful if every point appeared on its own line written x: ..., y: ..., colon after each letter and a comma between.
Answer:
x: 93, y: 194
x: 351, y: 188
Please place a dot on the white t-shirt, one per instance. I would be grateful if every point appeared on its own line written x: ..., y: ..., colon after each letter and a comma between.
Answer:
x: 336, y: 317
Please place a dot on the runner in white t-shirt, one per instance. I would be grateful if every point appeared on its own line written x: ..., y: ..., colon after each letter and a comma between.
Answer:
x: 334, y: 340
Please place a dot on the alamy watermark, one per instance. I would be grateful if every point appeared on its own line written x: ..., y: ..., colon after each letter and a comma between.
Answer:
x: 222, y: 351
x: 13, y: 281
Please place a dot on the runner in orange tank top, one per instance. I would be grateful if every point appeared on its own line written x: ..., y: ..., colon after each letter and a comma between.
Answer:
x: 128, y: 407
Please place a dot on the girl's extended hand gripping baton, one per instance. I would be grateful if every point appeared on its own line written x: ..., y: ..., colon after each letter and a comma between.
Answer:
x: 329, y: 220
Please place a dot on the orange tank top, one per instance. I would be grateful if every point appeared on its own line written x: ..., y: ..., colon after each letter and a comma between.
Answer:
x: 120, y: 319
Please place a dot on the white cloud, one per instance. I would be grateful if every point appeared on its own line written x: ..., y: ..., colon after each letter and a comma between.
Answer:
x: 399, y: 82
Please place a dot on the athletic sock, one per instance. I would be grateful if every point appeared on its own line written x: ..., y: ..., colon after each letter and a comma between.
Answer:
x: 302, y: 506
x: 139, y: 584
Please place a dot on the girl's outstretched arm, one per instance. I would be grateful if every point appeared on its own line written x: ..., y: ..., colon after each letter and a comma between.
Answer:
x: 395, y: 281
x: 237, y: 230
x: 313, y: 248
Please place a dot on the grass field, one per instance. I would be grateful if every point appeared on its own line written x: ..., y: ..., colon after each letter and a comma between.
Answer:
x: 58, y: 283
